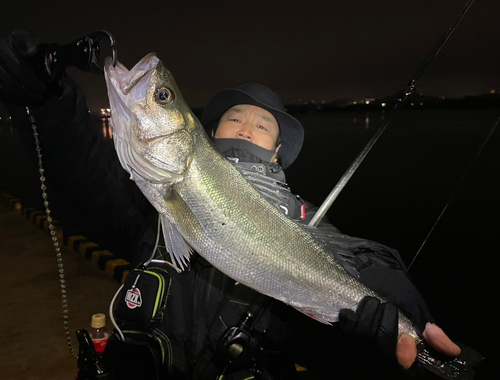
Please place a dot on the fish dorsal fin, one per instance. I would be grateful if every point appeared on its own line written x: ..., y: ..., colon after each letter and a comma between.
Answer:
x: 178, y: 248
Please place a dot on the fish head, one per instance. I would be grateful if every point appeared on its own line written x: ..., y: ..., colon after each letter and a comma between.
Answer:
x: 151, y: 123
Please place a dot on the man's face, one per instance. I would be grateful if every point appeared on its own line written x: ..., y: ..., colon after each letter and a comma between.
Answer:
x: 251, y: 123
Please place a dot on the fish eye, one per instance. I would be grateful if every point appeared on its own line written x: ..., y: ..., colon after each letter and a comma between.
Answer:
x: 164, y: 95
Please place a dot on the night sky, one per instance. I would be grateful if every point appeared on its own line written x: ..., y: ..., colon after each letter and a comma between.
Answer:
x: 315, y: 50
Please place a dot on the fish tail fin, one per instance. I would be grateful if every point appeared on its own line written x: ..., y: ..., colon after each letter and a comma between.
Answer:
x: 460, y: 367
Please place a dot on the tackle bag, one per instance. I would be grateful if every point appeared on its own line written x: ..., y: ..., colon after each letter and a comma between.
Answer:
x: 142, y: 355
x: 145, y: 352
x: 143, y: 297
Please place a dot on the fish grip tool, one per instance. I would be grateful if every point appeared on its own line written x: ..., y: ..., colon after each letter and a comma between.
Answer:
x: 49, y: 62
x: 51, y: 59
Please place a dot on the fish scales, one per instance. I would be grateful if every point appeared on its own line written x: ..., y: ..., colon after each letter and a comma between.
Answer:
x: 252, y: 242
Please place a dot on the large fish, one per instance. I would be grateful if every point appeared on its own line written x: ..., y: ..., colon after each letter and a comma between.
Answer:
x: 207, y: 205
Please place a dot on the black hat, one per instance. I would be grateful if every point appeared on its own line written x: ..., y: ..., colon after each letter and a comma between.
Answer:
x: 291, y: 130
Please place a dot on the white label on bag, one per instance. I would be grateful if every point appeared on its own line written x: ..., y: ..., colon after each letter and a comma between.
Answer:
x: 133, y: 298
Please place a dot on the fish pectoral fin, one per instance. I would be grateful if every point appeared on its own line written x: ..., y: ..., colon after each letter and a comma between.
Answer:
x: 178, y: 248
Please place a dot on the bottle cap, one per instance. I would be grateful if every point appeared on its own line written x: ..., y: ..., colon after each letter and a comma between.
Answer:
x: 98, y: 321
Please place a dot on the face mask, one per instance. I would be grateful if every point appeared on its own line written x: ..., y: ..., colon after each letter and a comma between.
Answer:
x: 244, y: 150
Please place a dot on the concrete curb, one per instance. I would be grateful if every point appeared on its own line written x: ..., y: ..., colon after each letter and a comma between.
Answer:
x: 113, y: 265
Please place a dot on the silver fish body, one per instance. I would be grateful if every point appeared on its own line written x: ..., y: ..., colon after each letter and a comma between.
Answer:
x: 205, y: 202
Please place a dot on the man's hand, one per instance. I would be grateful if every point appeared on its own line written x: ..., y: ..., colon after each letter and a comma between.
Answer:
x: 20, y: 85
x: 406, y: 350
x: 378, y: 322
x: 373, y: 321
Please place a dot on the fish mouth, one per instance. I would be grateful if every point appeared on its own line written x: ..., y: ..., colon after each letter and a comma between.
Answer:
x: 126, y: 79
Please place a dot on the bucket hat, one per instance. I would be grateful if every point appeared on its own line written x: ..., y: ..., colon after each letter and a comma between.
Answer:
x: 291, y: 130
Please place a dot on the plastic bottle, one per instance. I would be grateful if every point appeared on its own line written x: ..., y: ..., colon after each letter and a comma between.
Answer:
x: 98, y: 332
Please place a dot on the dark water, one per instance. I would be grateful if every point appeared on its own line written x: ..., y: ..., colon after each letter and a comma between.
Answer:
x: 395, y: 198
x: 400, y: 190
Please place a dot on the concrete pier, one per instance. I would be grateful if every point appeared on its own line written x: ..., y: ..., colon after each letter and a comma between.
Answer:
x: 33, y: 340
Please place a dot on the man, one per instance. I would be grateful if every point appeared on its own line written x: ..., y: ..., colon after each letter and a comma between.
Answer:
x: 250, y: 126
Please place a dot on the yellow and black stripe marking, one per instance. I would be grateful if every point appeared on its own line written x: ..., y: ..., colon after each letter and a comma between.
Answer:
x: 113, y: 265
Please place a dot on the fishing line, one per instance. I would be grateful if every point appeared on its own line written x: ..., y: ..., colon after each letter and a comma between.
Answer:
x: 111, y: 304
x: 156, y: 249
x: 462, y: 180
x: 156, y: 243
x: 111, y: 316
x: 410, y: 88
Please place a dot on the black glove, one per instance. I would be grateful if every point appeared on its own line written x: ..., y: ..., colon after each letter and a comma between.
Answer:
x: 395, y: 286
x: 22, y: 83
x: 373, y: 321
x: 376, y: 322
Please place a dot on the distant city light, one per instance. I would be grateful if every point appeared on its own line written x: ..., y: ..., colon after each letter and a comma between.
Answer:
x: 419, y: 101
x: 105, y: 112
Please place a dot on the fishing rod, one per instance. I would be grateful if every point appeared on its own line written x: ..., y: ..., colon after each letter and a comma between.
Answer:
x: 410, y: 88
